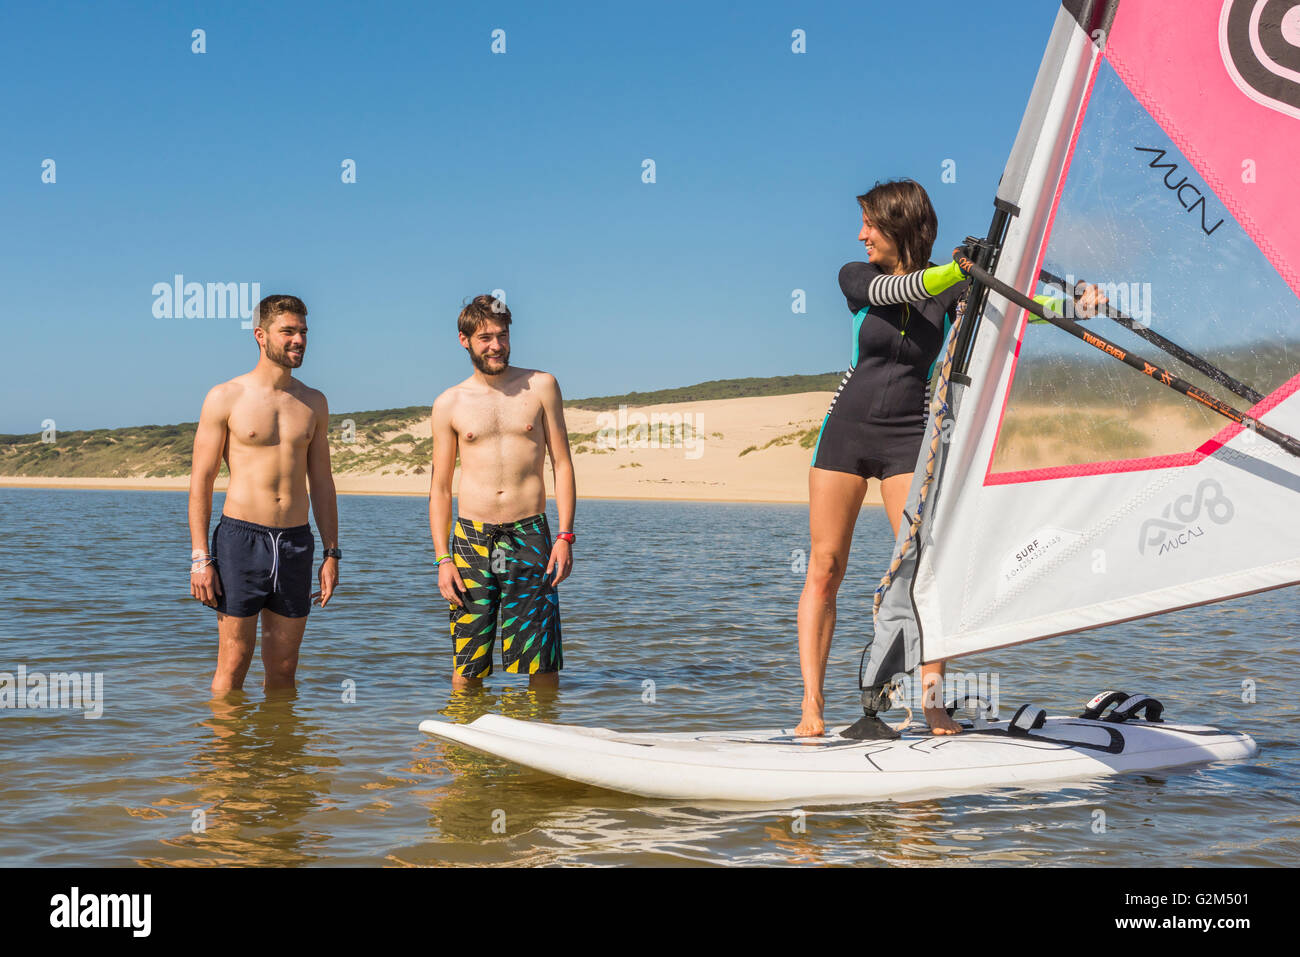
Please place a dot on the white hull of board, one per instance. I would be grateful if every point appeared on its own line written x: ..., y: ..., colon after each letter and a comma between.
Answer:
x: 774, y: 767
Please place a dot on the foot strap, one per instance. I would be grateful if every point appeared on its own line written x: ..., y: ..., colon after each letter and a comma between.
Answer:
x: 1149, y: 706
x: 1125, y: 706
x: 1028, y: 718
x: 971, y: 702
x: 1094, y: 709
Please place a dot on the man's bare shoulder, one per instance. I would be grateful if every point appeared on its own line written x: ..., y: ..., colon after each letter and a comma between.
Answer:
x: 531, y: 377
x: 312, y: 397
x: 448, y: 397
x: 542, y: 381
x: 222, y: 396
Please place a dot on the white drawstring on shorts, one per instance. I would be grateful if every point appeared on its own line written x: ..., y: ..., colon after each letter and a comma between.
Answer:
x: 275, y: 559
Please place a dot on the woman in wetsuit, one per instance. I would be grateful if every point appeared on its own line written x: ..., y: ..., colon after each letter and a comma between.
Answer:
x: 902, y: 306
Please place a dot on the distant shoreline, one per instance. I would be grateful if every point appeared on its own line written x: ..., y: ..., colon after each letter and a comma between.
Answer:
x: 131, y: 485
x: 737, y: 450
x: 756, y: 449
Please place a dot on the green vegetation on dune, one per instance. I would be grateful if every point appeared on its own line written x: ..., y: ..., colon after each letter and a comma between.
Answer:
x: 806, y: 438
x: 358, y: 443
x: 716, y: 389
x: 385, y: 439
x: 143, y: 451
x: 380, y: 420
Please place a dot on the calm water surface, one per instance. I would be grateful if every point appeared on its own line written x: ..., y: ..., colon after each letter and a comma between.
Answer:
x: 698, y: 598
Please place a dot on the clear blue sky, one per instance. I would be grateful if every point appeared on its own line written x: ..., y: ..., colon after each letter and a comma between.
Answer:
x: 475, y: 171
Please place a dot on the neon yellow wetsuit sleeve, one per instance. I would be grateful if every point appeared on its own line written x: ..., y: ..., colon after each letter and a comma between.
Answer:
x: 938, y: 278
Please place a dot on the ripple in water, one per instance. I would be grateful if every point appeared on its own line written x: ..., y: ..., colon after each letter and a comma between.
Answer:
x: 697, y: 598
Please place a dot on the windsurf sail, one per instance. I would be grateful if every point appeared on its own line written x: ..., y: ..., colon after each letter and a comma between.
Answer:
x: 1061, y: 490
x: 1143, y: 330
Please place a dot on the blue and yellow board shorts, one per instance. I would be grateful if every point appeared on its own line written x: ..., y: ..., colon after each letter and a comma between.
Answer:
x: 504, y: 571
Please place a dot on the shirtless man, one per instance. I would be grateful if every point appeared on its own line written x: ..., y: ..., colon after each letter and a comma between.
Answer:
x: 272, y: 432
x: 502, y: 421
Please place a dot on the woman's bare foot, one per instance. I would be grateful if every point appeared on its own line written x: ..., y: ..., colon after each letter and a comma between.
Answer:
x: 936, y: 715
x: 941, y: 722
x: 812, y: 725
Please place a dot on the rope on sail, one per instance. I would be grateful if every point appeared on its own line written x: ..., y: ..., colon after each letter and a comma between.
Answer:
x: 939, y: 408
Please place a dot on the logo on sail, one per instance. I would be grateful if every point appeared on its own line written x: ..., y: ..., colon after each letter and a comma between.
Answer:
x: 1030, y: 553
x: 1259, y: 41
x: 1180, y: 521
x: 1181, y: 187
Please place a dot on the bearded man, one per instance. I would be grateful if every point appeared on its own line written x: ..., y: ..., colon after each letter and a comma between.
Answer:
x: 498, y: 560
x: 272, y: 433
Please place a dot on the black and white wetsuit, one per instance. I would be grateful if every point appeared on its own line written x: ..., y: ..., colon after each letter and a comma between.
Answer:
x: 876, y: 421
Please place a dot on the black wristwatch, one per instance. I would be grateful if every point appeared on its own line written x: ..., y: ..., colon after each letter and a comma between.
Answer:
x: 333, y: 553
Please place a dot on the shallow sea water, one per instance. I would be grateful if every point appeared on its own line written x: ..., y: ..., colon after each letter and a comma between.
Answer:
x: 697, y: 598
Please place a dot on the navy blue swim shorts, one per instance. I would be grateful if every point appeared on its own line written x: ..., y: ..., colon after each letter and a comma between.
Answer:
x: 262, y: 567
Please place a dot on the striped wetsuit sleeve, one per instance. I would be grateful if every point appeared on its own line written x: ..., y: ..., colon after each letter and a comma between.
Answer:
x: 887, y: 290
x: 875, y: 288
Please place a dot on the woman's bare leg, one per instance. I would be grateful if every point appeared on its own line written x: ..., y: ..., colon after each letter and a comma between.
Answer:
x: 834, y: 498
x: 894, y: 491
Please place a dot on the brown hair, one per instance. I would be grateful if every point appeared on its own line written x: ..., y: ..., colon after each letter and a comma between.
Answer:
x: 482, y: 309
x: 272, y: 306
x: 901, y: 210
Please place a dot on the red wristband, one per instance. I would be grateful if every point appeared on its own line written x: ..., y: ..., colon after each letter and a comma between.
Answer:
x: 566, y: 537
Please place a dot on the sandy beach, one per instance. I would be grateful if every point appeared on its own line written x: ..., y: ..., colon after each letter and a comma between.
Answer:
x: 755, y: 449
x: 680, y: 452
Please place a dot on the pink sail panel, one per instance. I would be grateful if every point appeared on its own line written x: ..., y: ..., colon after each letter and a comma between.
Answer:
x: 1210, y: 74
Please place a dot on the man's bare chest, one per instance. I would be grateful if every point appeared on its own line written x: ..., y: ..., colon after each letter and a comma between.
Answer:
x: 286, y: 421
x: 480, y: 420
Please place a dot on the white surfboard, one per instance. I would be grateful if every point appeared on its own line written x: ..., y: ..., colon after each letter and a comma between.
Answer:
x: 775, y: 767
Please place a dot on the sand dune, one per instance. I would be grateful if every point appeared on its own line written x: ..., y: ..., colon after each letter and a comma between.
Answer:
x: 740, y: 450
x: 701, y: 460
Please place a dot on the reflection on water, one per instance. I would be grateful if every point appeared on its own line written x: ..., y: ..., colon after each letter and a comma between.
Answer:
x: 257, y: 778
x: 468, y: 810
x: 169, y: 777
x: 249, y: 781
x: 525, y: 704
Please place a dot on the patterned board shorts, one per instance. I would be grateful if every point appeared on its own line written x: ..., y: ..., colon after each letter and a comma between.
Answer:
x: 504, y: 571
